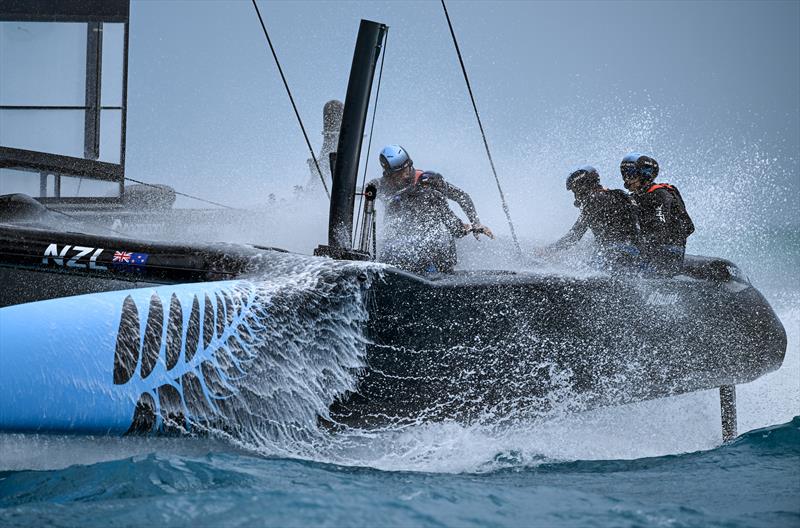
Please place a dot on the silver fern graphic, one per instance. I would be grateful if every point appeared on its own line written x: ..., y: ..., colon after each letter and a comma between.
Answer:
x: 204, y: 354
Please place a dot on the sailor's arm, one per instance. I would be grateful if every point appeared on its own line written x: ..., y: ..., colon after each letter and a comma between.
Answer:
x: 462, y: 199
x: 465, y: 202
x: 454, y: 225
x: 575, y: 233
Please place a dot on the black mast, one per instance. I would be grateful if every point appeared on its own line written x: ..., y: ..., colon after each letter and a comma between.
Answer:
x: 348, y: 152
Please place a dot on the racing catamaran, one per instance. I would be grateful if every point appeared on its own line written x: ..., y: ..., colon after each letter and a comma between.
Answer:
x: 101, y: 333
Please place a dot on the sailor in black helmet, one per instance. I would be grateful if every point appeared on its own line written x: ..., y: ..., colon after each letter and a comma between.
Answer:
x: 420, y: 228
x: 664, y: 222
x: 608, y: 213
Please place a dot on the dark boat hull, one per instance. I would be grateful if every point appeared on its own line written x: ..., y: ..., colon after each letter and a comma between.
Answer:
x: 468, y: 346
x: 476, y: 346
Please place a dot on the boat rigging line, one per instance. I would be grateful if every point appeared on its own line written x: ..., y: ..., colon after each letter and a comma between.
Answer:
x: 291, y: 98
x: 182, y: 194
x: 371, y: 128
x: 483, y: 134
x: 82, y: 221
x: 73, y: 217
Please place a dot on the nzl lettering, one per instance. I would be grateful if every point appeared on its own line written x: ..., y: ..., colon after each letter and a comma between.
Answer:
x: 78, y: 253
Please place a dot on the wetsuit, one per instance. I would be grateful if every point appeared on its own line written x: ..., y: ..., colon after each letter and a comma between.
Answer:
x: 664, y: 226
x: 420, y: 228
x: 612, y: 218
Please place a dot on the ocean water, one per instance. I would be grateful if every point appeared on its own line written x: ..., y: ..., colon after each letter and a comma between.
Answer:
x: 655, y: 463
x: 752, y: 482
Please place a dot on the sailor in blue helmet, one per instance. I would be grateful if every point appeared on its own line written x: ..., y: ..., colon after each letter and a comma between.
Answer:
x: 609, y: 214
x: 420, y: 229
x: 664, y: 223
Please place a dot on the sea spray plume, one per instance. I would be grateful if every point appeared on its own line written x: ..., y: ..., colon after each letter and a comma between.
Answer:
x: 743, y: 210
x: 734, y: 189
x: 261, y: 360
x: 314, y: 351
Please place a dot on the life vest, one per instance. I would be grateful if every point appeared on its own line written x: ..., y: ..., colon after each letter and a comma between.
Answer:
x: 423, y: 177
x: 657, y: 186
x: 423, y: 180
x: 682, y: 217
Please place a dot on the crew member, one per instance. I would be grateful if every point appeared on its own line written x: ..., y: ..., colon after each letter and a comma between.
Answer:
x: 608, y: 213
x: 664, y: 223
x: 420, y: 228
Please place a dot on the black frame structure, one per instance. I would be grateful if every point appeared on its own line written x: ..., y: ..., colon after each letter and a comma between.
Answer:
x: 348, y: 152
x: 94, y: 13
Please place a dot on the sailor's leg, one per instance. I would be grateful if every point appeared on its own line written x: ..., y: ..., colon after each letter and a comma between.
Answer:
x: 727, y: 405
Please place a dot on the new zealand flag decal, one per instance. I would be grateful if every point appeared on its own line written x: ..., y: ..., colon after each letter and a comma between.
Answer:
x: 124, y: 261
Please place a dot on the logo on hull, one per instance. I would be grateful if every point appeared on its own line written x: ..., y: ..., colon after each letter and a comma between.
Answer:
x: 79, y: 257
x: 662, y: 299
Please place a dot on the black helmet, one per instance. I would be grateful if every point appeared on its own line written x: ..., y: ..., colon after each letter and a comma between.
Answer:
x: 636, y: 165
x: 583, y: 178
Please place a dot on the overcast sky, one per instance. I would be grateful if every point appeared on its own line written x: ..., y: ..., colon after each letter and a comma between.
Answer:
x: 703, y: 86
x: 711, y: 89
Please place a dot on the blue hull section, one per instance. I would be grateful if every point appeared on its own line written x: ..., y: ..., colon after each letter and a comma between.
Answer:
x: 82, y: 363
